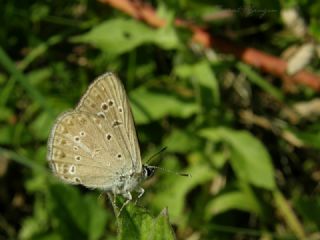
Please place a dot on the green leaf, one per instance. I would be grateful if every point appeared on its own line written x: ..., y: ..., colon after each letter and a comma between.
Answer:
x: 39, y: 51
x: 310, y: 135
x: 182, y: 141
x: 36, y: 224
x: 288, y: 214
x: 39, y: 76
x: 7, y: 91
x: 255, y: 78
x: 66, y: 203
x: 243, y: 199
x: 149, y: 105
x: 249, y: 158
x: 119, y: 36
x: 162, y: 228
x: 98, y: 218
x: 206, y: 78
x: 40, y: 127
x: 203, y: 75
x: 78, y: 216
x: 6, y: 133
x: 309, y: 209
x: 314, y: 28
x: 165, y: 38
x: 6, y: 113
x: 11, y: 68
x: 174, y: 189
x: 5, y: 153
x: 136, y: 224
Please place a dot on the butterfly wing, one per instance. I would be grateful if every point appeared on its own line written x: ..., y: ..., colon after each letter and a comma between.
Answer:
x: 106, y: 97
x: 80, y: 151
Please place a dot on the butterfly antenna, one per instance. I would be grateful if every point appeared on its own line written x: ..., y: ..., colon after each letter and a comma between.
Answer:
x: 163, y: 169
x: 169, y: 171
x: 156, y: 154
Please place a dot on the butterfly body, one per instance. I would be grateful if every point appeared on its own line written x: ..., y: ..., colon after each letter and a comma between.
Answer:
x: 128, y: 182
x: 95, y: 145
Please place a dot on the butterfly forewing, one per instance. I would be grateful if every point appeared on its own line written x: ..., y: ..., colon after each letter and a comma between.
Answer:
x: 106, y: 98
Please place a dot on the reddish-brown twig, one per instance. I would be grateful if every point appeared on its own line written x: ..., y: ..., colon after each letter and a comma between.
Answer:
x: 254, y: 57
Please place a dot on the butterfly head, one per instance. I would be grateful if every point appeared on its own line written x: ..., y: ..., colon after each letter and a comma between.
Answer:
x: 148, y: 171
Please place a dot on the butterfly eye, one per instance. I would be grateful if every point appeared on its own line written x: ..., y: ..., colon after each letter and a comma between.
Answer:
x: 148, y: 171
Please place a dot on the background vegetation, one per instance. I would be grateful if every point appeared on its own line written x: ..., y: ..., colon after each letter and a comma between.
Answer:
x: 249, y: 139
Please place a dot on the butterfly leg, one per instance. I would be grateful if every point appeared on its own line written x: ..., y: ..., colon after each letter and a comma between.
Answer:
x: 101, y: 195
x: 128, y: 196
x: 140, y: 191
x: 114, y: 198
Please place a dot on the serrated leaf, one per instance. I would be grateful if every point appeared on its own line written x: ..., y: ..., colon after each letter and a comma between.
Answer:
x: 162, y: 228
x: 137, y: 224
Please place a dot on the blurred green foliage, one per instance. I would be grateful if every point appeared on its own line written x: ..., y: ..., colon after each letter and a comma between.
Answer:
x: 252, y: 178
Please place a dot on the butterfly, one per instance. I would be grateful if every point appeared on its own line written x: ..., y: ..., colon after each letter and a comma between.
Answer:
x: 96, y: 145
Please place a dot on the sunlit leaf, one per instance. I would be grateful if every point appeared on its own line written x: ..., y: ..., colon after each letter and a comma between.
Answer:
x: 137, y: 224
x: 148, y: 106
x: 175, y: 188
x: 182, y: 141
x: 202, y: 75
x: 118, y: 36
x: 250, y: 159
x: 243, y: 199
x: 40, y: 127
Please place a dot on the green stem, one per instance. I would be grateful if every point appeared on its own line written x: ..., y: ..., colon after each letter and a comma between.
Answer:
x: 288, y: 215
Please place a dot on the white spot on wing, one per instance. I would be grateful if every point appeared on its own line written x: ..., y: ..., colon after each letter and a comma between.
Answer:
x: 72, y: 169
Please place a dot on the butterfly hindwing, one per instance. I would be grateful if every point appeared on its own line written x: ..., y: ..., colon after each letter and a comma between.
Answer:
x: 82, y: 152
